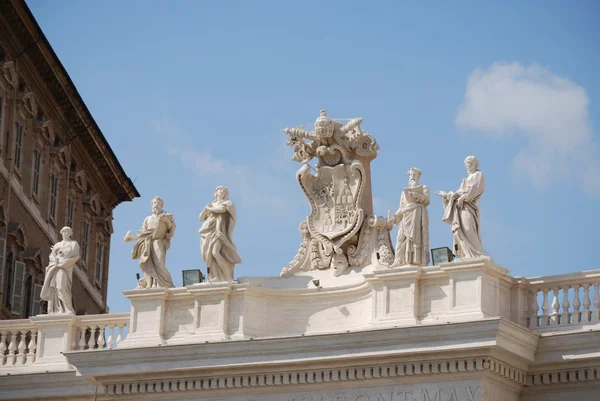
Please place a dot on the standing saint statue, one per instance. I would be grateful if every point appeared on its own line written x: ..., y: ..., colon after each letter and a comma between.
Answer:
x: 461, y: 211
x: 218, y: 250
x: 412, y: 243
x: 59, y: 274
x: 152, y: 243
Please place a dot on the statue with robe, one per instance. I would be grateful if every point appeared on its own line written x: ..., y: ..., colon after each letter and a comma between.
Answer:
x: 58, y: 281
x: 151, y: 245
x: 218, y: 250
x: 412, y: 243
x: 461, y: 211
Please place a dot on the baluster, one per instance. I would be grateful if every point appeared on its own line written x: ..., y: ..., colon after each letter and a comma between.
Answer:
x: 93, y: 344
x: 82, y: 344
x: 596, y: 312
x: 585, y: 317
x: 555, y: 319
x: 110, y: 342
x: 3, y: 348
x: 576, y: 315
x: 564, y: 317
x: 535, y: 308
x: 120, y: 335
x: 545, y: 318
x: 32, y: 347
x: 12, y: 349
x: 101, y: 341
x: 22, y: 348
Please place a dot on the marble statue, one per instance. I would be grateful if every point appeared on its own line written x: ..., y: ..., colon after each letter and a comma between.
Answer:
x: 339, y: 195
x: 218, y: 250
x: 59, y: 274
x: 461, y: 211
x: 151, y: 245
x: 412, y: 244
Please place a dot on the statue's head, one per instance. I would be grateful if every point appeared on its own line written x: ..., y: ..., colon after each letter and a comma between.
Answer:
x: 471, y: 163
x: 66, y: 232
x: 414, y: 174
x: 157, y: 204
x: 222, y: 193
x: 324, y: 125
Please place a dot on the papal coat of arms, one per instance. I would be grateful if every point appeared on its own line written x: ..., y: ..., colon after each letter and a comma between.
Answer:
x: 340, y: 230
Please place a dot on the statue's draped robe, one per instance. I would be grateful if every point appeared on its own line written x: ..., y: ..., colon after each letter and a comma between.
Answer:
x: 412, y: 243
x: 59, y: 277
x: 465, y: 220
x: 151, y: 247
x: 218, y: 250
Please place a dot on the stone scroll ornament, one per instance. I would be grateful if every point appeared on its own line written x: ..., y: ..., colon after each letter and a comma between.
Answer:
x: 339, y: 195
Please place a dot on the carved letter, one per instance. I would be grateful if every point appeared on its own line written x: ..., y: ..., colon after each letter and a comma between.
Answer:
x: 340, y: 398
x: 438, y: 395
x: 471, y: 393
x: 453, y: 396
x: 406, y: 393
x: 364, y: 398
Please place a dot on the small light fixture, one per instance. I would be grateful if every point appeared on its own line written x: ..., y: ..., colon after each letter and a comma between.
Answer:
x: 441, y: 255
x: 317, y: 283
x: 192, y: 277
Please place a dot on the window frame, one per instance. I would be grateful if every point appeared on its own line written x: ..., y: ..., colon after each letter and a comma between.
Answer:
x: 53, y: 196
x: 18, y: 148
x: 36, y: 173
x: 85, y: 240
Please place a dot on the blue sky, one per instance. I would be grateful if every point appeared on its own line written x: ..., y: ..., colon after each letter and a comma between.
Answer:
x: 194, y: 94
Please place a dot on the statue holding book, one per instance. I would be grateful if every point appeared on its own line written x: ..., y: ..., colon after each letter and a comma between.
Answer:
x: 412, y: 244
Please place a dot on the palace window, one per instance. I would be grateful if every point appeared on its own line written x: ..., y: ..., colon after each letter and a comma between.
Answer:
x: 70, y: 212
x: 10, y: 276
x: 18, y: 145
x: 1, y: 119
x: 99, y: 260
x: 37, y: 158
x: 53, y: 194
x: 85, y: 236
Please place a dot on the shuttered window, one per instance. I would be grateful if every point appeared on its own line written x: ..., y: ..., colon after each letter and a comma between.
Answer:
x: 17, y: 295
x: 53, y: 194
x: 18, y: 145
x: 99, y: 260
x: 35, y: 185
x: 85, y: 235
x: 36, y: 309
x: 1, y: 257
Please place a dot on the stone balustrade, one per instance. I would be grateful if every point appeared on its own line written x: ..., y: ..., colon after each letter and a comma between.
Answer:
x: 563, y: 300
x: 86, y: 335
x: 17, y: 343
x: 383, y: 298
x: 36, y: 345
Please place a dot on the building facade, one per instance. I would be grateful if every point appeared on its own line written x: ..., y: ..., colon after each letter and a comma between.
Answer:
x: 56, y: 169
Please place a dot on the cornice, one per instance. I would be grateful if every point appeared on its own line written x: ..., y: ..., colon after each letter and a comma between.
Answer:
x: 477, y: 366
x: 472, y: 339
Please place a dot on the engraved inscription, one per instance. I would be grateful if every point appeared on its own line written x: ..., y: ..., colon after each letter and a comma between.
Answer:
x: 459, y: 393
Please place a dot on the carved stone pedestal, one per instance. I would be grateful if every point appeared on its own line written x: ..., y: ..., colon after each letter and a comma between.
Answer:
x: 54, y: 336
x: 395, y: 296
x: 478, y: 289
x: 146, y: 324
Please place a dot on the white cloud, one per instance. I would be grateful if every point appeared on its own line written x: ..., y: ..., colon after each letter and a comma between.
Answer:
x: 547, y: 110
x: 254, y: 187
